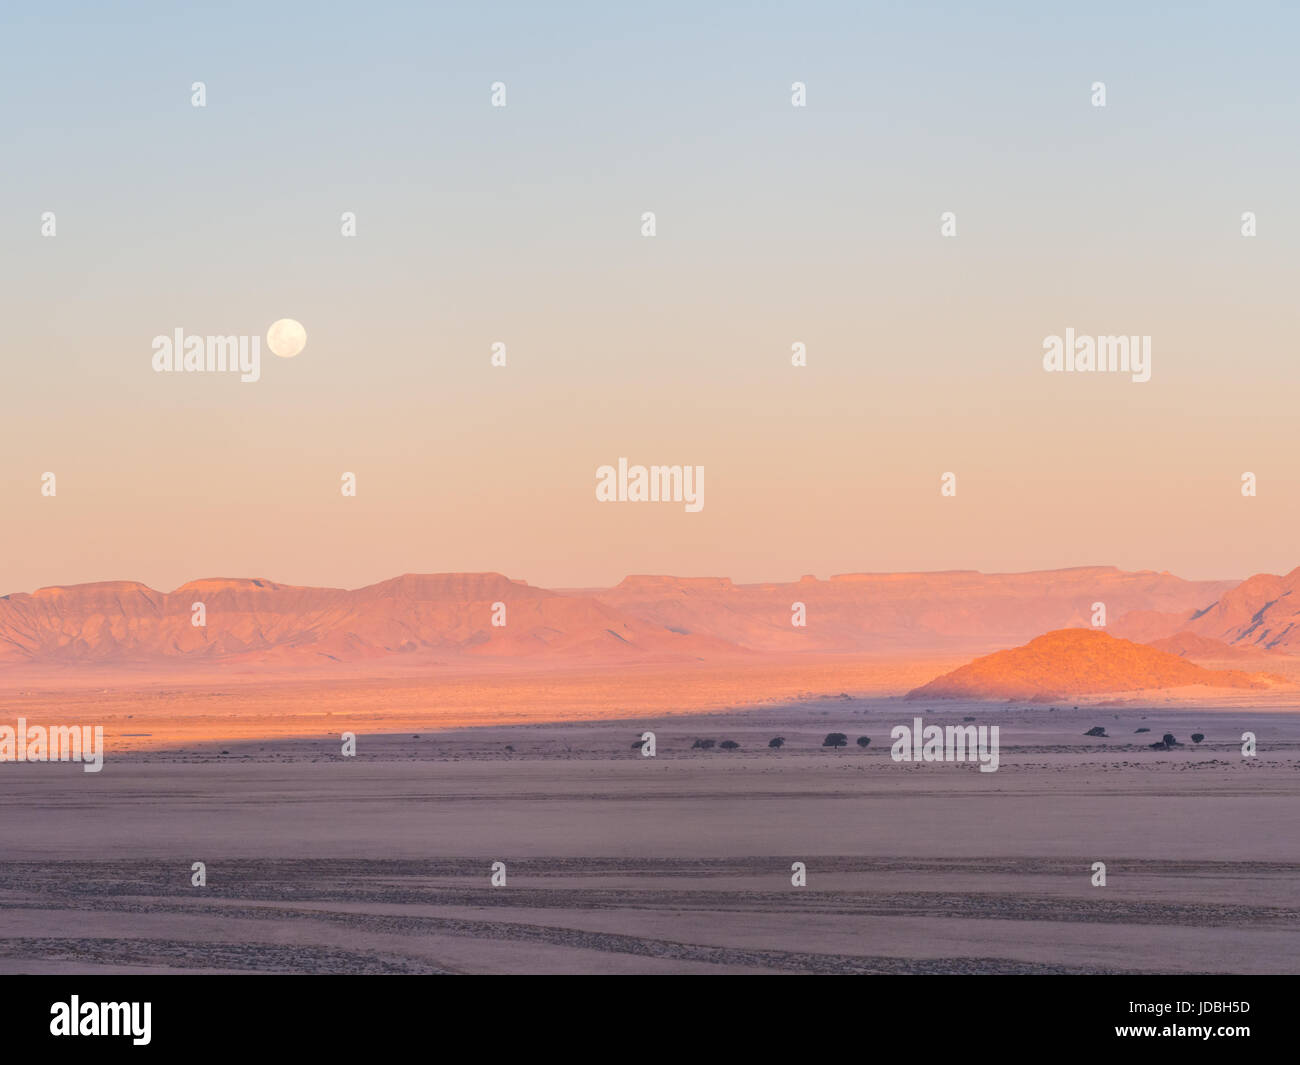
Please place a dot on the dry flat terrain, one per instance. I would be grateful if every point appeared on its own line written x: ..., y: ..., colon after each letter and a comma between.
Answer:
x: 677, y: 863
x: 148, y: 708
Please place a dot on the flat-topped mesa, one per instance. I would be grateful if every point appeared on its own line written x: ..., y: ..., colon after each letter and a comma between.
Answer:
x: 98, y: 597
x: 647, y: 582
x: 90, y: 589
x: 863, y: 578
x: 226, y: 584
x: 451, y: 587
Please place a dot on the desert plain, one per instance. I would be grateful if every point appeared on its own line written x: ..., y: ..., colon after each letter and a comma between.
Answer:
x: 619, y: 863
x: 393, y: 779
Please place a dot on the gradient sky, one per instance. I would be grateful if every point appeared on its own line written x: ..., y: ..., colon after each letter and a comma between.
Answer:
x: 521, y: 224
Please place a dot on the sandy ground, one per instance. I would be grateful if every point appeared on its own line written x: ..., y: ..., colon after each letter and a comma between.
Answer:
x: 678, y: 863
x: 147, y: 709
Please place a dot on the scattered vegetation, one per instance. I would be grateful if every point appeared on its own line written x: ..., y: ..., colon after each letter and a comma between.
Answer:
x: 728, y: 745
x: 702, y: 745
x: 836, y: 740
x: 776, y: 742
x: 1197, y: 737
x: 864, y: 742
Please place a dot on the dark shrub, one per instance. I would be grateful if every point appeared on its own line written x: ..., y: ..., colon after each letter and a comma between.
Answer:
x: 728, y: 745
x: 1197, y: 737
x: 702, y: 745
x: 776, y: 742
x: 835, y: 739
x: 864, y: 742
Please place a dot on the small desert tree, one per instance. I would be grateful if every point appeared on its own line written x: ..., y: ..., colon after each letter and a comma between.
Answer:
x: 1197, y: 737
x: 776, y: 742
x: 702, y: 745
x: 864, y: 742
x: 835, y: 739
x: 728, y: 745
x: 1169, y: 740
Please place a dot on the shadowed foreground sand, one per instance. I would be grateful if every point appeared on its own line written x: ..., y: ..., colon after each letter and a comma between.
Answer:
x: 680, y: 863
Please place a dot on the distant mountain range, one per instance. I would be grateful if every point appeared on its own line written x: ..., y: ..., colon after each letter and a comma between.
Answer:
x: 1262, y: 613
x: 448, y: 618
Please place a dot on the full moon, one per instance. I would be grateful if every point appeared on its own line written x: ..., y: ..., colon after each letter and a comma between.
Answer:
x: 286, y: 338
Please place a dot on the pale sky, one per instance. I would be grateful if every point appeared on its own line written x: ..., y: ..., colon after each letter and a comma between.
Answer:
x: 521, y: 224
